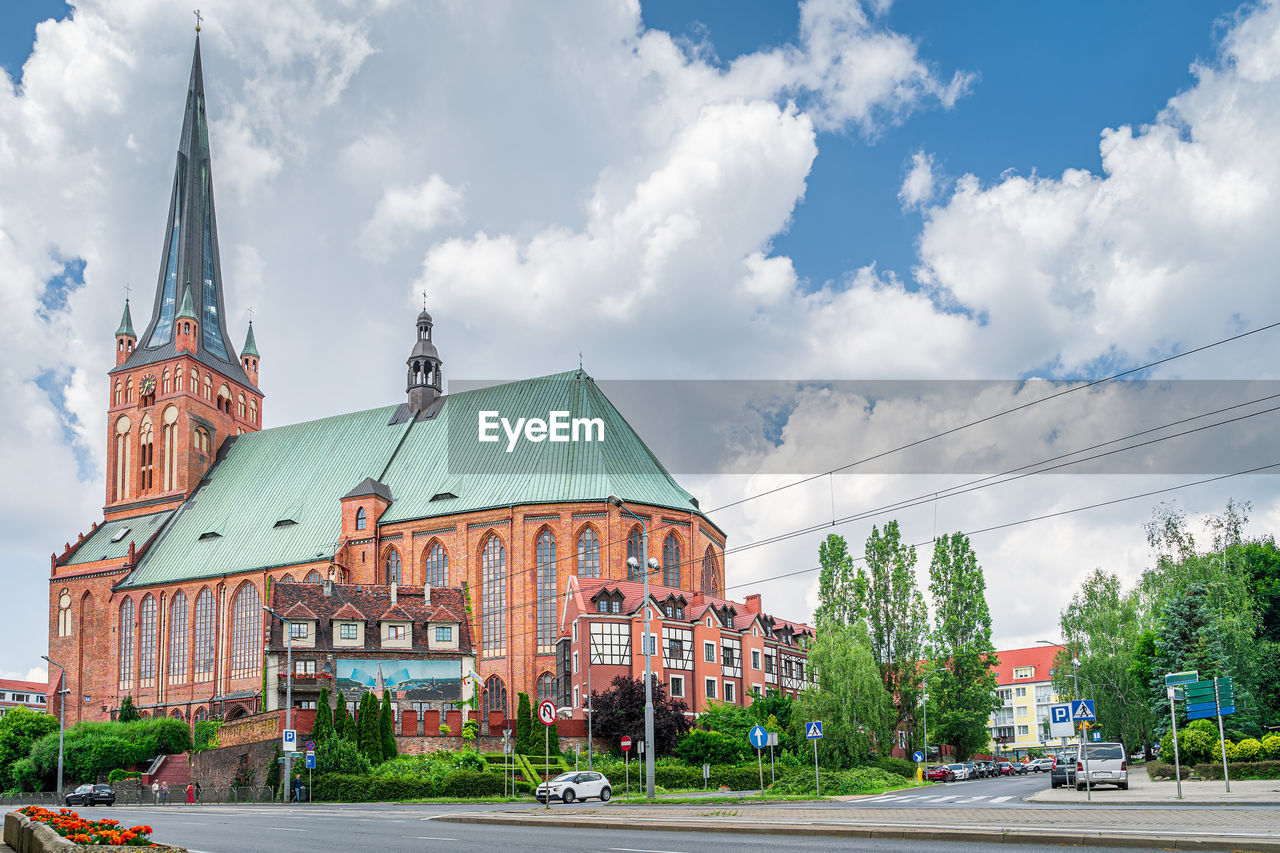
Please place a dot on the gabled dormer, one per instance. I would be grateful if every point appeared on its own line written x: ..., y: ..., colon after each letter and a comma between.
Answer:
x: 347, y: 625
x: 302, y: 627
x: 607, y: 601
x: 673, y: 606
x: 395, y: 628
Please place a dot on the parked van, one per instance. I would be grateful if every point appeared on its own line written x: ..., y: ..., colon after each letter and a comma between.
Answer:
x: 1108, y: 764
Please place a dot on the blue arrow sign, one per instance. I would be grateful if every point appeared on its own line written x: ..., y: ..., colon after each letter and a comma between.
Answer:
x: 813, y: 730
x: 758, y: 736
x: 918, y: 756
x: 1082, y: 710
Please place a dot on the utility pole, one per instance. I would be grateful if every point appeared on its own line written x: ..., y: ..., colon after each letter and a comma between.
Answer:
x: 62, y: 714
x: 646, y: 567
x: 288, y: 697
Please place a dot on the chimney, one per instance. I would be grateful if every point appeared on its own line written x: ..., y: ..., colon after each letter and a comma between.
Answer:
x: 753, y: 603
x: 328, y: 588
x: 426, y: 594
x: 393, y: 593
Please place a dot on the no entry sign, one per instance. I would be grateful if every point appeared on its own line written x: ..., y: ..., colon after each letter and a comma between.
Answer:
x: 626, y: 744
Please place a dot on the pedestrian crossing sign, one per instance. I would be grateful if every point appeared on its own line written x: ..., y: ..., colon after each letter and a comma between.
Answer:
x: 1082, y: 709
x: 813, y: 730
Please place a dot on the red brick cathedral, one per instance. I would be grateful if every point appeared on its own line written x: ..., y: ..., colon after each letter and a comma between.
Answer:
x: 162, y: 600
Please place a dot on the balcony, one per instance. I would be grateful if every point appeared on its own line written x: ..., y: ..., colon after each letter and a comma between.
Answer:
x: 314, y: 680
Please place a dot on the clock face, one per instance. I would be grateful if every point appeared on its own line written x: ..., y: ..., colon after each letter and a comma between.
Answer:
x: 148, y: 385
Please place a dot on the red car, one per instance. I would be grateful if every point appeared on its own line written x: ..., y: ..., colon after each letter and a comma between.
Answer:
x: 939, y: 773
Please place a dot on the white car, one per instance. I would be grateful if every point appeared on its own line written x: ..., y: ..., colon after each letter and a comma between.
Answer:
x: 577, y: 785
x: 961, y: 771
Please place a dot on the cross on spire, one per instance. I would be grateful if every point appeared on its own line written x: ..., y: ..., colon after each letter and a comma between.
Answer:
x: 251, y: 315
x: 127, y: 291
x: 424, y: 299
x: 199, y: 18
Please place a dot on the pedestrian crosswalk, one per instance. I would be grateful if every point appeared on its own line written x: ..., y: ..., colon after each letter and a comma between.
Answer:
x: 949, y: 799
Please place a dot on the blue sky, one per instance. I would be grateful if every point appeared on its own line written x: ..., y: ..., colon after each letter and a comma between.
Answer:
x: 1038, y: 105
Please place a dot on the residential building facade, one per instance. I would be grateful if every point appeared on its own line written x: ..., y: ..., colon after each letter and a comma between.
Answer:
x: 1025, y: 688
x: 23, y: 694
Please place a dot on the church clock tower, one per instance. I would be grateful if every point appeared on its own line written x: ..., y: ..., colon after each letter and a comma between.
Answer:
x: 179, y: 390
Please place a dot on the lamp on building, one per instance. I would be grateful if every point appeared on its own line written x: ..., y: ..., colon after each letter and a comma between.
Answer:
x: 651, y: 565
x: 62, y: 713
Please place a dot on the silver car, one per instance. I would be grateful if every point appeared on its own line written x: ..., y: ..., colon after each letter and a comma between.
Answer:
x: 576, y: 785
x: 1104, y: 763
x: 961, y: 771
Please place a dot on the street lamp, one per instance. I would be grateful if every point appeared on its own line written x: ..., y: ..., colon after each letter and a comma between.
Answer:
x: 652, y: 565
x: 288, y: 696
x: 1075, y: 667
x: 62, y: 713
x: 924, y: 692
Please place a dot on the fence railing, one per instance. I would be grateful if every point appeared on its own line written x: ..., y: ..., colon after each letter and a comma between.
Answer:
x: 240, y: 795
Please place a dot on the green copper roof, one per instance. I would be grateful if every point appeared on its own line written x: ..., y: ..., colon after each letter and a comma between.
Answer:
x: 250, y: 345
x: 111, y: 540
x: 126, y: 323
x: 433, y: 466
x: 188, y: 310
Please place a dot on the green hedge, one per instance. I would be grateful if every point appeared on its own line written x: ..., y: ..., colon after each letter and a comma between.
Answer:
x: 1158, y: 768
x: 1239, y: 770
x: 904, y: 768
x: 346, y: 788
x: 860, y: 780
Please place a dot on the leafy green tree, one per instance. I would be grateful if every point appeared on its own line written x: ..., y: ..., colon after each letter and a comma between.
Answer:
x: 897, y: 620
x: 19, y: 729
x: 524, y: 725
x: 1189, y: 637
x: 343, y: 726
x: 128, y: 713
x: 387, y: 728
x: 963, y: 696
x: 339, y: 755
x: 837, y: 593
x: 849, y: 697
x: 1102, y: 627
x: 322, y: 728
x: 620, y: 711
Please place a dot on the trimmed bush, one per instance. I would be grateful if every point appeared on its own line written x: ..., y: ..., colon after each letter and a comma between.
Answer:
x: 116, y: 775
x: 1242, y: 770
x: 904, y: 768
x: 339, y: 755
x: 1159, y: 768
x: 471, y: 783
x: 1271, y: 748
x: 1248, y: 749
x: 860, y: 780
x: 699, y: 746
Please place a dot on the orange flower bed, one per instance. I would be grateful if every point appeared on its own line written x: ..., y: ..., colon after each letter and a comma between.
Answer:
x: 72, y: 827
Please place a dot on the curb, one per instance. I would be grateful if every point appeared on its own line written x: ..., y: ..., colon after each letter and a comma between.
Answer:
x: 1034, y: 798
x: 923, y: 833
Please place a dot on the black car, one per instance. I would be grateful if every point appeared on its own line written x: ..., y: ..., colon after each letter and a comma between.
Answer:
x: 92, y: 795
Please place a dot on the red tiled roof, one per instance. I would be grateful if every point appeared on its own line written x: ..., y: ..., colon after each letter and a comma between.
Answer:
x: 23, y: 686
x: 395, y: 613
x: 347, y: 611
x: 1040, y: 658
x: 633, y: 594
x: 299, y: 611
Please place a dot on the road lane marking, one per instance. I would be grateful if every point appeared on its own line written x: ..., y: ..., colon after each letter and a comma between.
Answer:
x: 972, y: 799
x: 641, y: 850
x: 285, y: 829
x: 1000, y: 799
x: 430, y: 838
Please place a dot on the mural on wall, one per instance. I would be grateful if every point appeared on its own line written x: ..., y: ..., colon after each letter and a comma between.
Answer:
x: 411, y: 680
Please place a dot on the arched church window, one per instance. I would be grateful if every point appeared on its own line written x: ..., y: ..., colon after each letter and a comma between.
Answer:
x: 118, y: 397
x: 393, y: 567
x: 312, y: 577
x: 710, y: 577
x: 253, y: 411
x: 545, y: 554
x: 246, y: 632
x: 126, y: 643
x: 635, y: 548
x: 208, y: 387
x: 546, y: 687
x: 171, y: 447
x: 671, y: 561
x: 147, y: 642
x: 195, y: 381
x: 122, y: 458
x: 493, y: 580
x: 178, y: 638
x: 286, y: 578
x: 146, y: 456
x: 177, y: 379
x: 204, y: 649
x: 241, y: 411
x: 166, y: 382
x: 64, y: 614
x: 495, y: 696
x: 436, y: 566
x: 128, y: 390
x: 589, y: 554
x: 362, y: 519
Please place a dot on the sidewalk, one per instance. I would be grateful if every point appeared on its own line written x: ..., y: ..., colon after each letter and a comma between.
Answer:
x: 1254, y: 829
x: 1143, y: 792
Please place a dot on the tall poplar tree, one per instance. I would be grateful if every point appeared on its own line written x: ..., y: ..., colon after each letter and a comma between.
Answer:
x: 322, y: 728
x: 342, y: 725
x: 897, y: 619
x: 369, y: 729
x: 387, y: 728
x: 963, y: 696
x: 837, y: 593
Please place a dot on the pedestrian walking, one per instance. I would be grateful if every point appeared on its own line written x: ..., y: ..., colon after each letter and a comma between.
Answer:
x: 155, y: 792
x: 164, y: 793
x: 191, y: 793
x: 197, y: 792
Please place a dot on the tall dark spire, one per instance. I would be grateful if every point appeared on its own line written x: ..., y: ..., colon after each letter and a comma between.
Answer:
x: 191, y: 249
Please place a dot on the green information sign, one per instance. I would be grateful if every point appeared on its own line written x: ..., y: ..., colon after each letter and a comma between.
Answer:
x: 1181, y: 678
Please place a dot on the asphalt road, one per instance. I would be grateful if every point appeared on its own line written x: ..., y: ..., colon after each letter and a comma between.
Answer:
x: 385, y: 827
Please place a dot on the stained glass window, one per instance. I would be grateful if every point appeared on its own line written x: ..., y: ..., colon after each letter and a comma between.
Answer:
x: 589, y: 554
x: 178, y: 638
x: 246, y: 632
x: 546, y: 580
x: 493, y: 565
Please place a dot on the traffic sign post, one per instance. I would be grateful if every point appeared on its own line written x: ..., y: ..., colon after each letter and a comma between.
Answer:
x: 773, y: 741
x: 813, y: 731
x: 290, y: 743
x: 706, y: 776
x: 547, y: 714
x: 311, y: 765
x: 758, y: 738
x: 1060, y: 724
x: 626, y: 762
x: 1173, y: 721
x: 1082, y: 712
